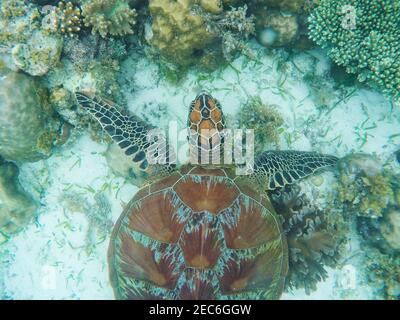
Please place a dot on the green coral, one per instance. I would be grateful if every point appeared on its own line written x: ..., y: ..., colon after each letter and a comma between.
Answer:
x: 113, y: 17
x: 364, y: 37
x: 264, y: 119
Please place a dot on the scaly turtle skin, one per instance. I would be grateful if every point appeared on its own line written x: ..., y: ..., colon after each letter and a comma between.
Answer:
x: 200, y: 232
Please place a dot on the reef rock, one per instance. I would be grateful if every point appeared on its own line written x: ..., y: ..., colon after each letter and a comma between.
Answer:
x: 16, y: 207
x: 27, y: 130
x: 41, y: 52
x: 390, y: 229
x: 276, y: 29
x: 178, y: 33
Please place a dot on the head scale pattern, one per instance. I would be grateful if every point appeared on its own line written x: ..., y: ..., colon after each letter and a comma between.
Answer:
x: 206, y: 123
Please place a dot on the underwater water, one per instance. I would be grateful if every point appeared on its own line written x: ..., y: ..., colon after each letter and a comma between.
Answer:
x: 320, y: 76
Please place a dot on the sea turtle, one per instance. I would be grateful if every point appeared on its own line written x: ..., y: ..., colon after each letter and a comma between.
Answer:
x: 199, y: 231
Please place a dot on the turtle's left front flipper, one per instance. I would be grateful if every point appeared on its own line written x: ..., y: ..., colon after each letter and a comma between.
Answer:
x: 275, y: 169
x: 128, y: 131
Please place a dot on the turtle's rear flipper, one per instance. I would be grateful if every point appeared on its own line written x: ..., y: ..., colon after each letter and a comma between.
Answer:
x: 129, y: 132
x: 275, y: 169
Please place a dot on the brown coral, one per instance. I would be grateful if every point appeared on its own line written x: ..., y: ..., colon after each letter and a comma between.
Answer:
x: 112, y: 17
x: 313, y: 236
x: 70, y: 18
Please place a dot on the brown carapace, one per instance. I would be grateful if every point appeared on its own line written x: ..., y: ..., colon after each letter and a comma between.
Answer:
x: 198, y: 234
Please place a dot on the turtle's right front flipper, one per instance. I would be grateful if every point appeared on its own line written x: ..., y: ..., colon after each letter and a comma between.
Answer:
x: 129, y: 132
x: 275, y: 169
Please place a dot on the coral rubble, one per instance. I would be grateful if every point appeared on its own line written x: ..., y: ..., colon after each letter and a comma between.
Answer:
x: 364, y: 37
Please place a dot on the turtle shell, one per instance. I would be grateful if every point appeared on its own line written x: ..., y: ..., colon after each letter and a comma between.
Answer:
x: 198, y: 234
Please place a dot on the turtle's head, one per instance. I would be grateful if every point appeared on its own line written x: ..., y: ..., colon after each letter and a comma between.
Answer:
x: 206, y: 122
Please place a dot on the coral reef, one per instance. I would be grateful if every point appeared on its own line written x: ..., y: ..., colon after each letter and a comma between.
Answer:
x: 27, y: 129
x: 25, y: 44
x: 284, y: 5
x: 275, y: 28
x: 364, y: 37
x: 179, y: 35
x: 365, y: 188
x: 383, y: 271
x: 113, y: 17
x: 17, y: 208
x: 264, y: 119
x: 314, y: 237
x: 70, y: 18
x: 39, y: 54
x: 233, y: 27
x: 192, y: 32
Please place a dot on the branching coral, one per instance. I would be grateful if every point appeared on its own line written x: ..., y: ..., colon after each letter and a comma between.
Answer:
x: 314, y: 237
x: 113, y: 17
x: 264, y: 119
x: 363, y: 36
x: 70, y: 18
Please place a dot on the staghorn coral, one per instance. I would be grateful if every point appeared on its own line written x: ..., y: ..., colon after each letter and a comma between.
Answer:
x: 314, y: 237
x: 27, y: 126
x: 365, y: 188
x: 364, y: 37
x: 264, y: 120
x: 113, y: 17
x: 17, y: 208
